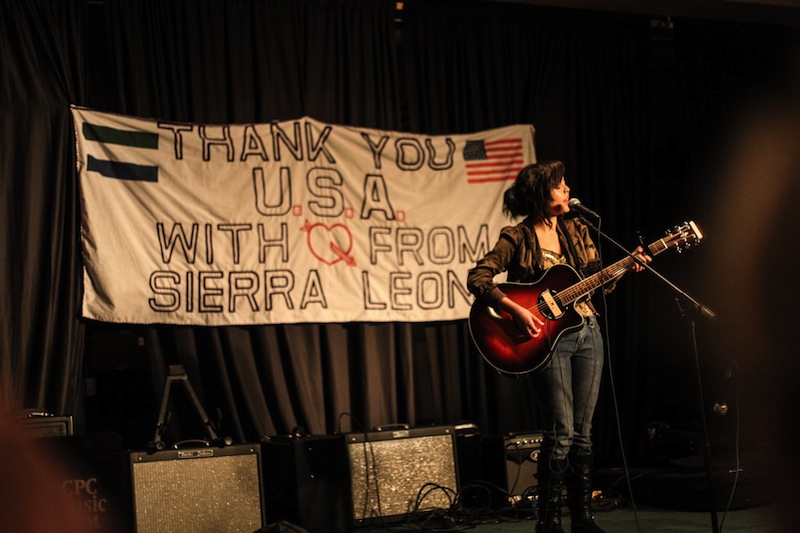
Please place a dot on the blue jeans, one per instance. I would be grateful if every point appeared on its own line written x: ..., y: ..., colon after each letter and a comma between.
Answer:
x: 567, y: 390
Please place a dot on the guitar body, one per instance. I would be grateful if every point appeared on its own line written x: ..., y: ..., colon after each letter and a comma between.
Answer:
x: 503, y: 345
x: 551, y: 298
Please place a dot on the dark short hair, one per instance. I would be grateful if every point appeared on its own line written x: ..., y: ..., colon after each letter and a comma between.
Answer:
x: 530, y: 193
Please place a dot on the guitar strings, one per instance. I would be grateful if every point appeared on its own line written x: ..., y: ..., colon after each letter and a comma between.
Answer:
x: 619, y: 268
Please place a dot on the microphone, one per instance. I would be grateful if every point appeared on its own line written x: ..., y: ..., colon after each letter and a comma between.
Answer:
x: 580, y: 209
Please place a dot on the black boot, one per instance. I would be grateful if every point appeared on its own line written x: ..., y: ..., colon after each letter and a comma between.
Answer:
x: 578, y: 481
x: 550, y: 483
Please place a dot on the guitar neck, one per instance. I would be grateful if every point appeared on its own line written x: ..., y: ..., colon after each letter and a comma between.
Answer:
x: 571, y: 294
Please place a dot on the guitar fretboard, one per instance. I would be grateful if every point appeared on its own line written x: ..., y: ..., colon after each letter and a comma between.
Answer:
x: 607, y: 275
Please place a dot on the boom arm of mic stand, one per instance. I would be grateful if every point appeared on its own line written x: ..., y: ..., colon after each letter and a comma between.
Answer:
x: 697, y: 306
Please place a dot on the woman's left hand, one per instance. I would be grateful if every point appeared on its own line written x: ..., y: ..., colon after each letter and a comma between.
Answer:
x: 641, y: 257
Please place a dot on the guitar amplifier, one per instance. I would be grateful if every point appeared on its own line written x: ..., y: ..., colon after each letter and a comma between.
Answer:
x: 198, y: 490
x: 45, y: 426
x: 522, y: 462
x: 398, y: 473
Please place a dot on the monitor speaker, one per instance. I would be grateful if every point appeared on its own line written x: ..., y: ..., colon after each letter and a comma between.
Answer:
x: 522, y: 459
x: 398, y: 473
x: 197, y: 490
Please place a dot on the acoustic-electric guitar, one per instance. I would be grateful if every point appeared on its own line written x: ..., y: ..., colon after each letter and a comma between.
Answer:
x: 552, y: 297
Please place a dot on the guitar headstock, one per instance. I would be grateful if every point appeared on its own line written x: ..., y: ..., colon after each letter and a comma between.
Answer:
x: 683, y: 236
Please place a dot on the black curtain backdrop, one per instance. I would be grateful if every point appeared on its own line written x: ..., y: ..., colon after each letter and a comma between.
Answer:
x: 638, y: 111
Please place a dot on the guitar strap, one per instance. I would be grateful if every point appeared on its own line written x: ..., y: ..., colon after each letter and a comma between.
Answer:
x: 571, y: 247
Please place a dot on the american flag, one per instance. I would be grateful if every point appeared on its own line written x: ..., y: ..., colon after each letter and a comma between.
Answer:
x: 493, y: 160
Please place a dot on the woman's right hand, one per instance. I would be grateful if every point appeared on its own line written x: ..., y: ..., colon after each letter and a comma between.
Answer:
x: 526, y: 322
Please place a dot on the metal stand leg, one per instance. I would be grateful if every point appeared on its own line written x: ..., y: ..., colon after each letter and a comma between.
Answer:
x: 177, y: 374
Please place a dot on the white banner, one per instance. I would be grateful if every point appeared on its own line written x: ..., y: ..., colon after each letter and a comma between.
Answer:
x: 286, y: 222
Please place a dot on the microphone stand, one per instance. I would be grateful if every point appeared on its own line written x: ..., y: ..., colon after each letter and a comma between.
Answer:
x: 690, y: 311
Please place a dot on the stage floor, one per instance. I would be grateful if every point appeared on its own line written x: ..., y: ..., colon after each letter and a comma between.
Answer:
x: 644, y: 519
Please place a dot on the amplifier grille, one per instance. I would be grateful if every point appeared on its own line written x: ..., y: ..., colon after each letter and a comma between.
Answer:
x: 193, y: 495
x: 388, y: 476
x: 43, y: 427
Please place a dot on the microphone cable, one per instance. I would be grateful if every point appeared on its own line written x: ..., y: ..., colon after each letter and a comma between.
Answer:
x: 615, y: 402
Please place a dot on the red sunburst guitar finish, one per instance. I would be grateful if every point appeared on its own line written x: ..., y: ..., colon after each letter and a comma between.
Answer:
x: 551, y: 298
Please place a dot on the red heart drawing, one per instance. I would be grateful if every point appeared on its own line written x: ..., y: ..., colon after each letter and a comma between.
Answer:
x: 330, y: 244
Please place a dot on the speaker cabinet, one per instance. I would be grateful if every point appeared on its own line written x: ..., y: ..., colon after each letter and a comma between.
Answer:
x: 522, y: 458
x: 307, y: 482
x: 46, y: 426
x: 198, y: 490
x: 399, y: 472
x: 481, y: 471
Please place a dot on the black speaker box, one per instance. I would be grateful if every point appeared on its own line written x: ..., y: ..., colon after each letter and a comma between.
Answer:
x: 198, y: 490
x: 481, y: 471
x: 307, y: 482
x: 46, y: 426
x: 398, y: 473
x: 522, y: 459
